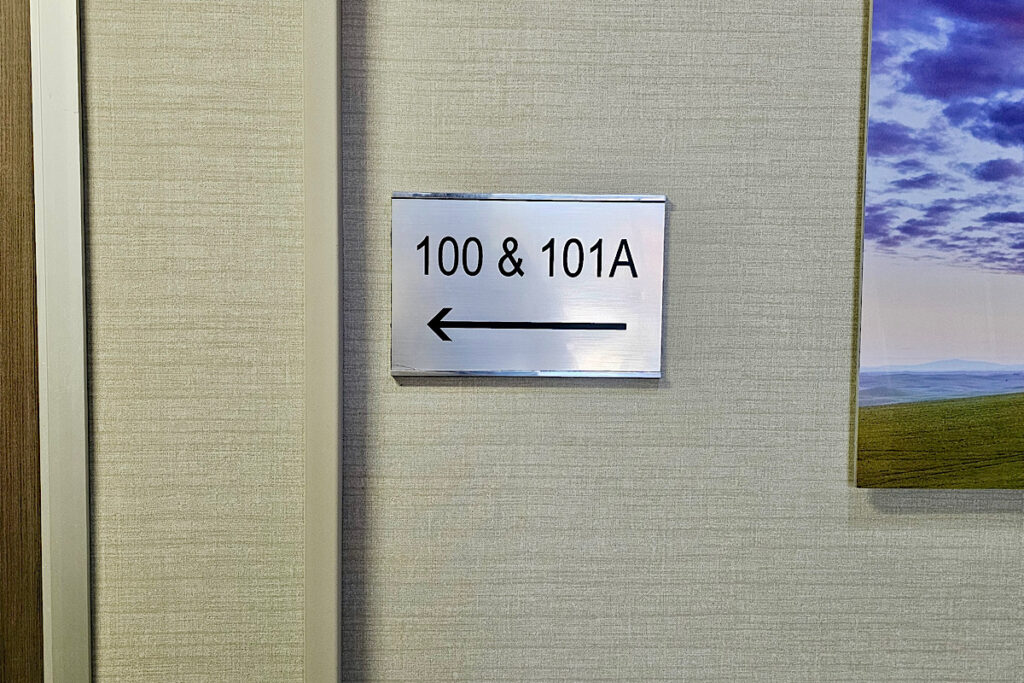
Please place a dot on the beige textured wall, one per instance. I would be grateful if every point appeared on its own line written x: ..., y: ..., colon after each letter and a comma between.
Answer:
x: 703, y: 527
x: 193, y: 144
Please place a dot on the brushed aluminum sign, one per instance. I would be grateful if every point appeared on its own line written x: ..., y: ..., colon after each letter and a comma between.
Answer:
x: 526, y: 285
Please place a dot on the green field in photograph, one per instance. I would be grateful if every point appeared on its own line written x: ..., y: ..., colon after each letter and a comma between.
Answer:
x: 955, y: 443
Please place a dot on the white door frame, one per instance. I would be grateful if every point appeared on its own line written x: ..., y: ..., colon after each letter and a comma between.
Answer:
x: 63, y: 405
x: 63, y: 398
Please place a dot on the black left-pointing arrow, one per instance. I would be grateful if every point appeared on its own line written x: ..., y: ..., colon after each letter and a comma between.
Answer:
x: 438, y: 324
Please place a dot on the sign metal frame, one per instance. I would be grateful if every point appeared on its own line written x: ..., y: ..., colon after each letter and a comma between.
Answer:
x: 447, y: 316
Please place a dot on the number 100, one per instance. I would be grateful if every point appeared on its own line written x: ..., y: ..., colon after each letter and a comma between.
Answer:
x: 448, y: 255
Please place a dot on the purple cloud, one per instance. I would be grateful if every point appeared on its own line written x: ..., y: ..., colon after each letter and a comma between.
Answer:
x: 880, y: 51
x: 1007, y: 17
x: 888, y: 138
x: 940, y: 211
x: 1002, y: 123
x: 1015, y: 217
x: 971, y: 65
x: 909, y: 165
x: 997, y: 170
x: 940, y: 244
x: 877, y: 222
x: 935, y: 216
x: 891, y: 241
x: 916, y: 15
x: 921, y: 182
x: 958, y: 112
x: 980, y: 56
x: 989, y: 200
x: 916, y: 227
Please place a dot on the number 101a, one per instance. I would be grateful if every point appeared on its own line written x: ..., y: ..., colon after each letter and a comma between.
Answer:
x: 573, y: 257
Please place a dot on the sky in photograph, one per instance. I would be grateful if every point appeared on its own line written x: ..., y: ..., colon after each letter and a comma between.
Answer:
x: 944, y: 207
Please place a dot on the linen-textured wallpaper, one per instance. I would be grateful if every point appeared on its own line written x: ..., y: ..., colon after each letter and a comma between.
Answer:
x: 701, y: 528
x: 193, y: 147
x: 704, y: 526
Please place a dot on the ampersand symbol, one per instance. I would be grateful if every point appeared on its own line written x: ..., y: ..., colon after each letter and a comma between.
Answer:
x: 514, y: 266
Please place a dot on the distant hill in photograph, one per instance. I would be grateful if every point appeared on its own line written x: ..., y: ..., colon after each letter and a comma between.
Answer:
x: 952, y: 365
x: 936, y: 381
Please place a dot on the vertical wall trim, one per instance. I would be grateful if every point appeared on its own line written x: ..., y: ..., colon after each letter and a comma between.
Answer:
x: 321, y: 76
x: 63, y: 422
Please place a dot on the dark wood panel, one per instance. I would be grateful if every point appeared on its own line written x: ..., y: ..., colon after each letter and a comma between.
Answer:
x: 21, y: 629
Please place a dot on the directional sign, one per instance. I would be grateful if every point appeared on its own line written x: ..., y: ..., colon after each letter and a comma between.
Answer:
x: 528, y: 285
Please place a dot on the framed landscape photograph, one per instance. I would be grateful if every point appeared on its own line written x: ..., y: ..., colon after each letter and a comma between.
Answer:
x: 941, y: 382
